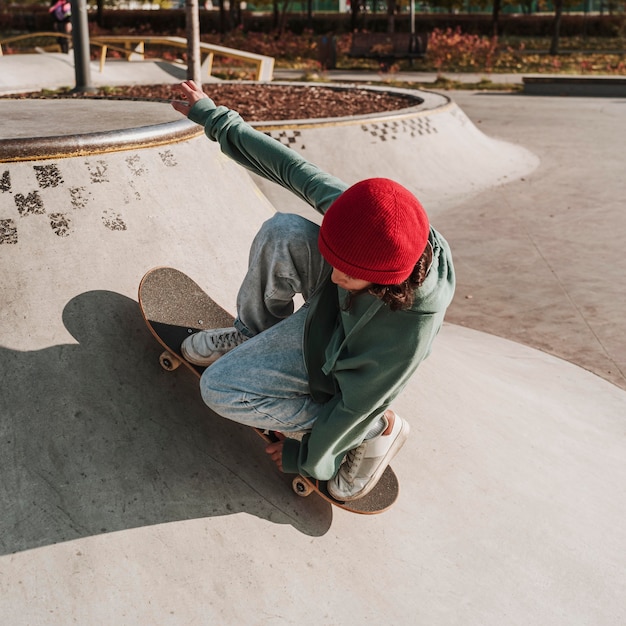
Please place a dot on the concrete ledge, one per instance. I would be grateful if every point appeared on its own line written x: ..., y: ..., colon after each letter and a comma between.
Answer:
x: 84, y: 127
x: 587, y: 86
x: 37, y: 148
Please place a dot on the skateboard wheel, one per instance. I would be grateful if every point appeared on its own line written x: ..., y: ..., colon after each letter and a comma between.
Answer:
x: 301, y: 487
x: 168, y: 361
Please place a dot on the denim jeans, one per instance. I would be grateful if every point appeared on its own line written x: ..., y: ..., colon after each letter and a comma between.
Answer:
x: 263, y: 382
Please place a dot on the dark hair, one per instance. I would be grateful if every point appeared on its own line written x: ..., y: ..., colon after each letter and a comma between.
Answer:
x: 401, y: 296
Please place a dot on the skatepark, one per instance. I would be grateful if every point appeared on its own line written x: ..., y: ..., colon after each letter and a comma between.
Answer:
x: 127, y: 501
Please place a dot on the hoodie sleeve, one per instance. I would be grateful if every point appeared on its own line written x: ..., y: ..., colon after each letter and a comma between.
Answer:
x: 265, y: 156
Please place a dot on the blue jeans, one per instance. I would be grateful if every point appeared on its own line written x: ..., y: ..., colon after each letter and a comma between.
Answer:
x: 263, y: 382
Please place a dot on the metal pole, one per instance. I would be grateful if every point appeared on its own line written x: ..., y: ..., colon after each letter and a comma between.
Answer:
x: 192, y: 23
x: 80, y: 41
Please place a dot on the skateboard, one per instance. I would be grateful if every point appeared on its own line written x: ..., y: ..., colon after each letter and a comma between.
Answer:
x: 173, y: 307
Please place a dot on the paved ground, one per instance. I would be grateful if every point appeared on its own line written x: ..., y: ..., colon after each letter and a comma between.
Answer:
x: 540, y: 259
x: 126, y: 503
x: 22, y: 73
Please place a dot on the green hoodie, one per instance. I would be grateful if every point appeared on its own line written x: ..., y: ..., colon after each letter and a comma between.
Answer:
x: 358, y: 360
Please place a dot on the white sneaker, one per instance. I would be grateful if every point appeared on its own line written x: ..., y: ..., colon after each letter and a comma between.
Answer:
x: 205, y: 347
x: 364, y: 465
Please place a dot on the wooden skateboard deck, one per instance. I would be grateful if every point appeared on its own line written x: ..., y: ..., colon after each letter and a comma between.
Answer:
x: 174, y: 307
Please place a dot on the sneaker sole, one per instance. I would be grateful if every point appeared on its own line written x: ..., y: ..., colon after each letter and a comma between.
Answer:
x: 198, y: 362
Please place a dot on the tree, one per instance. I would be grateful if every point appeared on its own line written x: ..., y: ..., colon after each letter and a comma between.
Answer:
x: 235, y: 12
x: 355, y: 7
x: 282, y: 22
x: 225, y: 23
x: 391, y: 16
x: 495, y: 17
x: 559, y: 5
x: 556, y: 26
x: 100, y: 13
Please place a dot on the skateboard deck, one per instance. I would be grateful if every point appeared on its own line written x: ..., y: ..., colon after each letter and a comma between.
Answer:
x: 173, y: 307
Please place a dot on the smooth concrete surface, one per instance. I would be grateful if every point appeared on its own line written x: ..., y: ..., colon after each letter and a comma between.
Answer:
x: 510, y: 511
x: 433, y: 149
x: 26, y: 118
x: 126, y: 501
x: 541, y: 260
x: 347, y: 76
x: 54, y: 70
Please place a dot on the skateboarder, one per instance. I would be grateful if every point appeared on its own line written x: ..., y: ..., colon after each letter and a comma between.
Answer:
x: 376, y: 279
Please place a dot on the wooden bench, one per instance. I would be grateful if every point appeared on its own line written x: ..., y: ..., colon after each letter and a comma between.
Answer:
x: 133, y: 47
x: 387, y: 47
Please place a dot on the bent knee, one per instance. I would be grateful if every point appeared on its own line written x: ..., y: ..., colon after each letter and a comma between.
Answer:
x: 284, y: 227
x: 215, y: 393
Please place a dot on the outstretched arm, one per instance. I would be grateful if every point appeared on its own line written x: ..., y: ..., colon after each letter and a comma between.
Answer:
x: 258, y: 152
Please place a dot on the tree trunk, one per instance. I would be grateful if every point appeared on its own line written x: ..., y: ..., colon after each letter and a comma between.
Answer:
x: 495, y: 17
x: 100, y: 13
x: 556, y: 28
x: 354, y: 14
x: 391, y: 16
x: 283, y: 19
x: 222, y: 20
x: 276, y: 15
x: 235, y: 12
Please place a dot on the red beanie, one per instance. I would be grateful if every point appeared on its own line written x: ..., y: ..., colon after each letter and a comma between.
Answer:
x: 376, y: 231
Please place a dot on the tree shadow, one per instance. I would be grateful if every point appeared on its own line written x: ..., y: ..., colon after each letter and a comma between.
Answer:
x: 95, y: 437
x: 176, y: 71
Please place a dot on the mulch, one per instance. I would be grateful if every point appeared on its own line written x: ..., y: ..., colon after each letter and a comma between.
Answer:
x: 266, y: 102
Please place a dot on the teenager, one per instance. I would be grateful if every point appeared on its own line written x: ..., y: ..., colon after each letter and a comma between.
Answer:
x: 376, y: 279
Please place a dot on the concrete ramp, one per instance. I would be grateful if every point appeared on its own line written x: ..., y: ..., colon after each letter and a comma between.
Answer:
x: 432, y: 148
x: 126, y: 501
x: 76, y: 236
x: 510, y: 511
x: 100, y: 220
